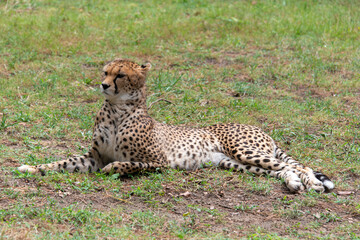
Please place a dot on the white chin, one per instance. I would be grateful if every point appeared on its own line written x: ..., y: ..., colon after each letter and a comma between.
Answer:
x: 103, y: 91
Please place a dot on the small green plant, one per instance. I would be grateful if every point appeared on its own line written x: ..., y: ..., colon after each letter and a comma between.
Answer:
x: 329, y: 217
x: 4, y: 124
x: 284, y: 200
x: 190, y: 219
x: 292, y: 213
x: 260, y: 186
x: 245, y: 207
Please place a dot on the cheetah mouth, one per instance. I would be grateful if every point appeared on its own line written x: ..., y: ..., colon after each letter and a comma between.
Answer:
x: 103, y: 90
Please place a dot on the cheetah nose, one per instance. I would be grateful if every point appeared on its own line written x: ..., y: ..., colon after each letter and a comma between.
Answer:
x: 105, y: 86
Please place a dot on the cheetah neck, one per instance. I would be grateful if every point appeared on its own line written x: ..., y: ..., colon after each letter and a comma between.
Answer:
x: 125, y: 108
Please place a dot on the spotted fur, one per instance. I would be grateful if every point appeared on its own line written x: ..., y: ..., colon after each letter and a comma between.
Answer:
x: 126, y: 140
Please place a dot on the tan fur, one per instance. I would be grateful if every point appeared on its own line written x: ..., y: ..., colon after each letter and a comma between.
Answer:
x: 126, y: 139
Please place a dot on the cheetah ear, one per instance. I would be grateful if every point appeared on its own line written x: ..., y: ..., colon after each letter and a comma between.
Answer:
x: 146, y: 67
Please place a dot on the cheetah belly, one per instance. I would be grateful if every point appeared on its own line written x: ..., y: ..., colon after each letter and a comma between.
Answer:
x: 190, y: 157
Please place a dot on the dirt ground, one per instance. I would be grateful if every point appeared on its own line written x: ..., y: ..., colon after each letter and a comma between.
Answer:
x: 230, y: 208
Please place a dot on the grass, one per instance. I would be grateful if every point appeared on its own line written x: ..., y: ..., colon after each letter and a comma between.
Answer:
x: 289, y: 67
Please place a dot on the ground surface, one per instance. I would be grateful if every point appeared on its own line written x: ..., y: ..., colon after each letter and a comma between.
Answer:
x: 289, y: 67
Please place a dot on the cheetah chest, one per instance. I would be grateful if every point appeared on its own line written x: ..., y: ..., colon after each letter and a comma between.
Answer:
x: 104, y: 141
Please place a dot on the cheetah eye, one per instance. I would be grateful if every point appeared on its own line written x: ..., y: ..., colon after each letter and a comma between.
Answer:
x: 120, y: 75
x: 105, y: 73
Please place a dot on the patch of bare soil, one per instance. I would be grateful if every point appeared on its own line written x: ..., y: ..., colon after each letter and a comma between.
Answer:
x: 241, y: 77
x: 355, y: 101
x: 304, y: 90
x: 219, y: 62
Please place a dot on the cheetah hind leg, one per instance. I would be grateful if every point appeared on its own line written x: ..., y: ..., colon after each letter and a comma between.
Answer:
x: 292, y: 180
x: 289, y: 172
x: 316, y: 180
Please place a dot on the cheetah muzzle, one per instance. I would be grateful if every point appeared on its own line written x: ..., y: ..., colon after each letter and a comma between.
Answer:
x: 126, y: 140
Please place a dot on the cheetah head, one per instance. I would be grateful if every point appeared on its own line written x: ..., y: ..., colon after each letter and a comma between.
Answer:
x: 124, y: 80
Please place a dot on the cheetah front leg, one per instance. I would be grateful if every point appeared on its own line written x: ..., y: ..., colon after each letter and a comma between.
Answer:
x: 130, y: 167
x: 85, y: 163
x: 150, y: 162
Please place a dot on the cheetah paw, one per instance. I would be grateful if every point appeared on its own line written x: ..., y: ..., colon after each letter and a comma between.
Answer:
x: 111, y: 169
x: 295, y: 186
x: 317, y: 186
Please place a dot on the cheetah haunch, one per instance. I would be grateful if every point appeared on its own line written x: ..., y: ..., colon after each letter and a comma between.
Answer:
x: 126, y: 140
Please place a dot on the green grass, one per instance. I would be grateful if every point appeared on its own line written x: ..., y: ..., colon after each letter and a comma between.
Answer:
x: 289, y: 67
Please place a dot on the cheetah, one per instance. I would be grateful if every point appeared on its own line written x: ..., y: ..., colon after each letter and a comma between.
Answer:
x: 127, y: 140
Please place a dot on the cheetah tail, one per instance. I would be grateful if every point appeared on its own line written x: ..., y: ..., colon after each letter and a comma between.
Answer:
x: 328, y: 184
